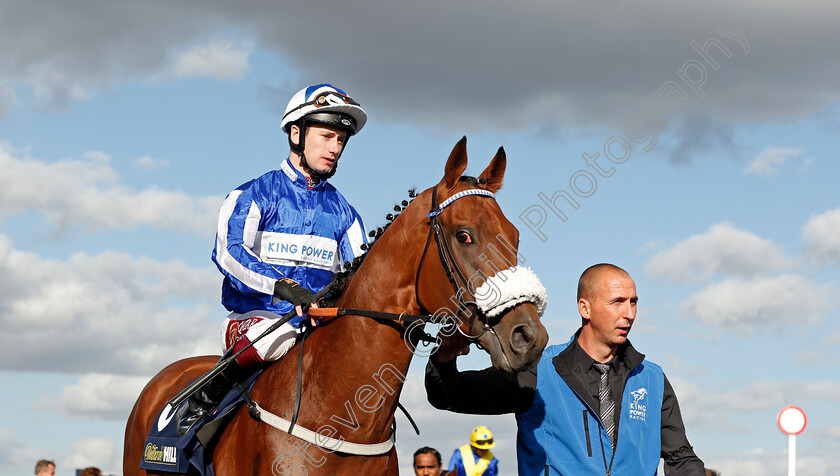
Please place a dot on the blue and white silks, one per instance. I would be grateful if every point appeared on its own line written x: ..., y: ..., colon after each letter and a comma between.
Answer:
x: 274, y: 227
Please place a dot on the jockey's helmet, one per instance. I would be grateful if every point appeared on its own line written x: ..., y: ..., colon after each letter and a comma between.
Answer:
x: 325, y: 104
x: 482, y: 438
x: 321, y: 104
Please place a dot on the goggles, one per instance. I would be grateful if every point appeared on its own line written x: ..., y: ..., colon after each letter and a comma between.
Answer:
x: 327, y: 98
x: 331, y: 98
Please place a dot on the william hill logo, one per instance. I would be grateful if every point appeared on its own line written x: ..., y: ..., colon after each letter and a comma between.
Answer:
x: 160, y: 455
x: 637, y: 408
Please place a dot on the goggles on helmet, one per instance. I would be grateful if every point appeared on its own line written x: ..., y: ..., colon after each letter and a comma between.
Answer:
x: 326, y: 98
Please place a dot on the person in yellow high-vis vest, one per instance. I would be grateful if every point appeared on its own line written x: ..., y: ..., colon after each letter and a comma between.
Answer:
x: 475, y: 459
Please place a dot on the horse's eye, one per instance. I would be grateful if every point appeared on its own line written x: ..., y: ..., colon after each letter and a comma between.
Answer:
x: 463, y: 237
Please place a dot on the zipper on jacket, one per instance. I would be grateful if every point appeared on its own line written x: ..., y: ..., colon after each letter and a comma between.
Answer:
x: 586, y: 431
x: 546, y: 470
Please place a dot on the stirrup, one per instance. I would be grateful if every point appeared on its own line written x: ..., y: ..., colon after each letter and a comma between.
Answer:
x: 193, y: 410
x: 206, y: 399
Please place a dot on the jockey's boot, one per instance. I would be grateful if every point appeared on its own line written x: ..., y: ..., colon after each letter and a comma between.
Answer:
x: 205, y: 400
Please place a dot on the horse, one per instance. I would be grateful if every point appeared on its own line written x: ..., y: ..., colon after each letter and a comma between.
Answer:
x: 353, y: 367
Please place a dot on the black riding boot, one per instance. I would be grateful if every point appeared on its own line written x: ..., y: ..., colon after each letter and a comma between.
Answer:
x: 204, y: 400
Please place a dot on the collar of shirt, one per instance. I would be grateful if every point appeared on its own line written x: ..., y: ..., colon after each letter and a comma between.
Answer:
x: 298, y: 178
x: 589, y: 375
x: 575, y: 366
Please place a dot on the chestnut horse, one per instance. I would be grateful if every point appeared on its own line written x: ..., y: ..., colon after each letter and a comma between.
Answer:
x: 354, y: 367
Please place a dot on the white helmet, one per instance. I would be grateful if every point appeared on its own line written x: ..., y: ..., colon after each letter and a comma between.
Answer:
x: 326, y: 104
x: 323, y: 104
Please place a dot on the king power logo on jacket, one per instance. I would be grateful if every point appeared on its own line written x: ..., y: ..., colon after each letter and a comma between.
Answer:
x: 283, y: 248
x: 637, y: 408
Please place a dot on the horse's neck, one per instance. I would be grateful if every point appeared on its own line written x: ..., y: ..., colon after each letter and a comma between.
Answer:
x: 371, y: 357
x: 356, y: 366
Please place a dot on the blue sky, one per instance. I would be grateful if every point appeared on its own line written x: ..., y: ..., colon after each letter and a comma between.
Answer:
x: 118, y: 141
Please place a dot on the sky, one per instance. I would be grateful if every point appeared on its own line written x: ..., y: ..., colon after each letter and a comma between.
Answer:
x: 692, y: 145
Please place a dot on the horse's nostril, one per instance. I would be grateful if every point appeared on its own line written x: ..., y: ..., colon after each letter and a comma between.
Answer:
x: 521, y: 339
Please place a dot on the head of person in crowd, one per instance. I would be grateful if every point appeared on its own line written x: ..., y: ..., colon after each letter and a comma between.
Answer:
x: 481, y: 440
x: 427, y: 462
x: 45, y: 467
x: 91, y: 471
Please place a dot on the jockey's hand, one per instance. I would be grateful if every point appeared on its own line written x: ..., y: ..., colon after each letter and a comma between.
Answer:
x: 289, y: 290
x: 451, y: 347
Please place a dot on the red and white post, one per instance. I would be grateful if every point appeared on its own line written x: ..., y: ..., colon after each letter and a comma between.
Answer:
x: 792, y: 422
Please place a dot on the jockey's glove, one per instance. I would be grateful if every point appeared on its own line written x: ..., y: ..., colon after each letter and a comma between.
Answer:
x: 290, y: 290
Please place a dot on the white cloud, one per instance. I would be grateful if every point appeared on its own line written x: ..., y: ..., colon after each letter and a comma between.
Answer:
x: 96, y: 397
x: 774, y: 394
x: 87, y: 193
x: 760, y: 303
x: 770, y: 159
x: 723, y: 250
x: 56, y: 88
x: 150, y: 163
x: 15, y: 455
x: 74, y: 52
x: 110, y: 313
x: 217, y: 59
x: 822, y: 236
x: 99, y: 452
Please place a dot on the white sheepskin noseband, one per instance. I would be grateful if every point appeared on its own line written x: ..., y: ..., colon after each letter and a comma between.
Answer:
x: 510, y: 287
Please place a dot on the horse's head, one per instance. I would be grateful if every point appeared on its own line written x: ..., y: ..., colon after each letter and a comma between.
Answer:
x: 469, y: 270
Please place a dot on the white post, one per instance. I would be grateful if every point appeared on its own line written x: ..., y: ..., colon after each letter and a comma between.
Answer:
x: 791, y: 455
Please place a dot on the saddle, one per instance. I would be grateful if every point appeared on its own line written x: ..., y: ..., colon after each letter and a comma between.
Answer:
x: 191, y: 454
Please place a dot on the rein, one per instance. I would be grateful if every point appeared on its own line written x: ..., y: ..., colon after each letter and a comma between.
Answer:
x: 401, y: 318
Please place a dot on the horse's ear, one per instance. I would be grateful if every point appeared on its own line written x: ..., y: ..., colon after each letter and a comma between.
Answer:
x: 495, y: 172
x: 455, y: 166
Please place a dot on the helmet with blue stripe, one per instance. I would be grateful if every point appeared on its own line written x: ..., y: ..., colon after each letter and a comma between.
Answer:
x: 326, y: 105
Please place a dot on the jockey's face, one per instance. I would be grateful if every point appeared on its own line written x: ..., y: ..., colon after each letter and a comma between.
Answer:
x: 426, y: 464
x: 322, y: 146
x: 612, y: 309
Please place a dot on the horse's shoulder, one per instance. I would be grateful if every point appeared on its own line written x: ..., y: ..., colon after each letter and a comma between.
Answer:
x: 191, y: 364
x: 180, y: 371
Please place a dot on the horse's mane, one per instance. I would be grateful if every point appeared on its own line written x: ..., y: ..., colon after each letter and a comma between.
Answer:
x: 340, y: 279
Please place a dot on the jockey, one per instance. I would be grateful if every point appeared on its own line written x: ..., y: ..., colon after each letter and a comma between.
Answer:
x: 280, y: 238
x: 475, y: 459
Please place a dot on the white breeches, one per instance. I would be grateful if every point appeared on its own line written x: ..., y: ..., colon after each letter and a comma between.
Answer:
x: 251, y: 325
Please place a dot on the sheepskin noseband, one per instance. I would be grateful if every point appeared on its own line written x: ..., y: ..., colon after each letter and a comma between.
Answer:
x: 510, y: 287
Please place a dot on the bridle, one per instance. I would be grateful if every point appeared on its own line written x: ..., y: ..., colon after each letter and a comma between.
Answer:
x: 450, y: 266
x: 453, y: 273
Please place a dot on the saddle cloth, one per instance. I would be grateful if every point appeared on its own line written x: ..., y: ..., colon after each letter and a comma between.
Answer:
x: 192, y: 453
